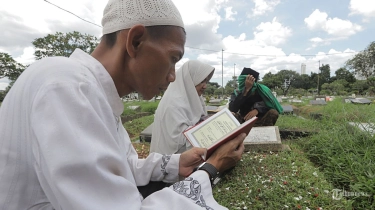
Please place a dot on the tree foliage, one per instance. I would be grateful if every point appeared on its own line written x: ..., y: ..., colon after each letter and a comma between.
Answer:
x: 363, y: 63
x: 344, y: 74
x: 63, y: 44
x: 210, y: 89
x: 9, y: 67
x: 215, y: 84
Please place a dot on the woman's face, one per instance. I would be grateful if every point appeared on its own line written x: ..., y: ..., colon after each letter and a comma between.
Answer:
x: 203, y: 85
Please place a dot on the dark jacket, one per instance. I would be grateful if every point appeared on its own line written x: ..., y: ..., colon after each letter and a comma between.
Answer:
x: 244, y: 104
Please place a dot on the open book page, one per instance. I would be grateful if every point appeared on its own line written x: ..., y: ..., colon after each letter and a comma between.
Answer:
x: 213, y: 129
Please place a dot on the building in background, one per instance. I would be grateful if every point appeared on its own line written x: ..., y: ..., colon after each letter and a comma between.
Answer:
x: 303, y: 68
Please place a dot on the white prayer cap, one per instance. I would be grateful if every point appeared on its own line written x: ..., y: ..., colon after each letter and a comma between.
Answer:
x: 124, y: 14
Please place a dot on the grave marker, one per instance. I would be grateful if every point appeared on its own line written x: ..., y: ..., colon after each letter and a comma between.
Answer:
x: 146, y: 134
x: 318, y: 102
x: 266, y: 138
x: 287, y: 109
x: 365, y: 127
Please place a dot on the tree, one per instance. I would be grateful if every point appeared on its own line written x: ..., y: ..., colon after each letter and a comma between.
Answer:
x: 324, y: 76
x: 215, y: 84
x: 302, y: 81
x: 230, y: 86
x: 218, y: 91
x: 344, y: 74
x: 9, y: 68
x: 360, y: 86
x: 337, y: 87
x: 210, y: 89
x: 63, y: 44
x: 271, y: 80
x: 363, y: 63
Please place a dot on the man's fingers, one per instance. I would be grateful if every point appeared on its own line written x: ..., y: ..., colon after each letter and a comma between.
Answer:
x: 238, y: 140
x: 200, y: 151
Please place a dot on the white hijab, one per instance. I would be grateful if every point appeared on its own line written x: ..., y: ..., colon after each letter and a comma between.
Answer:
x: 180, y: 108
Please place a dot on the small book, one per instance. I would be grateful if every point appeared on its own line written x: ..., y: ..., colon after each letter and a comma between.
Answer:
x: 217, y: 130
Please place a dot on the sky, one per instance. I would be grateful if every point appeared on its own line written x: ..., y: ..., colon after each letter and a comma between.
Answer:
x: 266, y: 35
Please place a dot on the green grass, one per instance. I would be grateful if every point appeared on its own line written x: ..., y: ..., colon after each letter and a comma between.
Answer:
x: 345, y: 155
x: 296, y: 123
x: 335, y: 157
x: 135, y: 127
x: 285, y: 180
x: 145, y: 106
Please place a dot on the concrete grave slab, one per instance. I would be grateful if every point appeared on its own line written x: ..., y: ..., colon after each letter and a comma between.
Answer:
x: 136, y: 108
x: 215, y: 101
x: 365, y: 127
x: 361, y: 101
x: 266, y: 138
x: 296, y: 101
x: 288, y: 109
x: 357, y: 100
x: 212, y: 110
x: 318, y: 102
x: 146, y: 134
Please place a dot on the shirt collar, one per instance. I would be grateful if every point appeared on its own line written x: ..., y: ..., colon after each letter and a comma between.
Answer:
x: 103, y: 78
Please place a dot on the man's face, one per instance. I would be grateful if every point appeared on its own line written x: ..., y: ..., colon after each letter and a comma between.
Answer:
x: 155, y: 65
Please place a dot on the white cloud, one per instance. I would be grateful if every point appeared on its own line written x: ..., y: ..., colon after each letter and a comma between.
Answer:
x: 263, y: 6
x: 333, y: 26
x: 4, y: 82
x: 201, y: 25
x: 229, y: 14
x: 316, y: 20
x: 27, y: 57
x: 198, y: 11
x: 272, y: 33
x: 362, y: 7
x: 36, y: 19
x: 265, y: 58
x: 316, y: 40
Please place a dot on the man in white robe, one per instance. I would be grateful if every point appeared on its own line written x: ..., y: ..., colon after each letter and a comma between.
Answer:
x: 62, y: 143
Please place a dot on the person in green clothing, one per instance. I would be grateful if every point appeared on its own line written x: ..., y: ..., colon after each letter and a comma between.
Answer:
x: 254, y: 99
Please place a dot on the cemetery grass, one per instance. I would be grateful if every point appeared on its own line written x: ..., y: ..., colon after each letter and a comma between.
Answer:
x: 145, y: 106
x: 332, y: 158
x: 284, y: 180
x: 343, y: 153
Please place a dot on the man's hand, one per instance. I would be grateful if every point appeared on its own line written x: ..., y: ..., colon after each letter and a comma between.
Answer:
x: 190, y: 159
x: 251, y: 114
x: 228, y: 154
x: 249, y: 82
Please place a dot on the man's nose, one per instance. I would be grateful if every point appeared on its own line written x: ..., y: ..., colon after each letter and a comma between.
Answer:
x: 172, y: 75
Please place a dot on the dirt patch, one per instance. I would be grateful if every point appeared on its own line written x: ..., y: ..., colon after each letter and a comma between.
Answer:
x: 142, y: 149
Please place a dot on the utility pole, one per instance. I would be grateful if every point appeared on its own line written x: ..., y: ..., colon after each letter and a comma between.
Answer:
x: 234, y: 77
x: 317, y: 90
x: 222, y: 73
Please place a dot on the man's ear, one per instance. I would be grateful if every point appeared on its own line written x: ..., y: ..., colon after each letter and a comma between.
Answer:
x: 136, y: 36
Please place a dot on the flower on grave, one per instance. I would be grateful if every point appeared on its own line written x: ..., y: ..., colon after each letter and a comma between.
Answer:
x: 298, y: 198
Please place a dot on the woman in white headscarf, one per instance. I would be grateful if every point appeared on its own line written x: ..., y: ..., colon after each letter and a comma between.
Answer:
x: 181, y: 107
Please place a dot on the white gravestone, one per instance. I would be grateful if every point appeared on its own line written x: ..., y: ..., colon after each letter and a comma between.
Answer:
x: 266, y: 138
